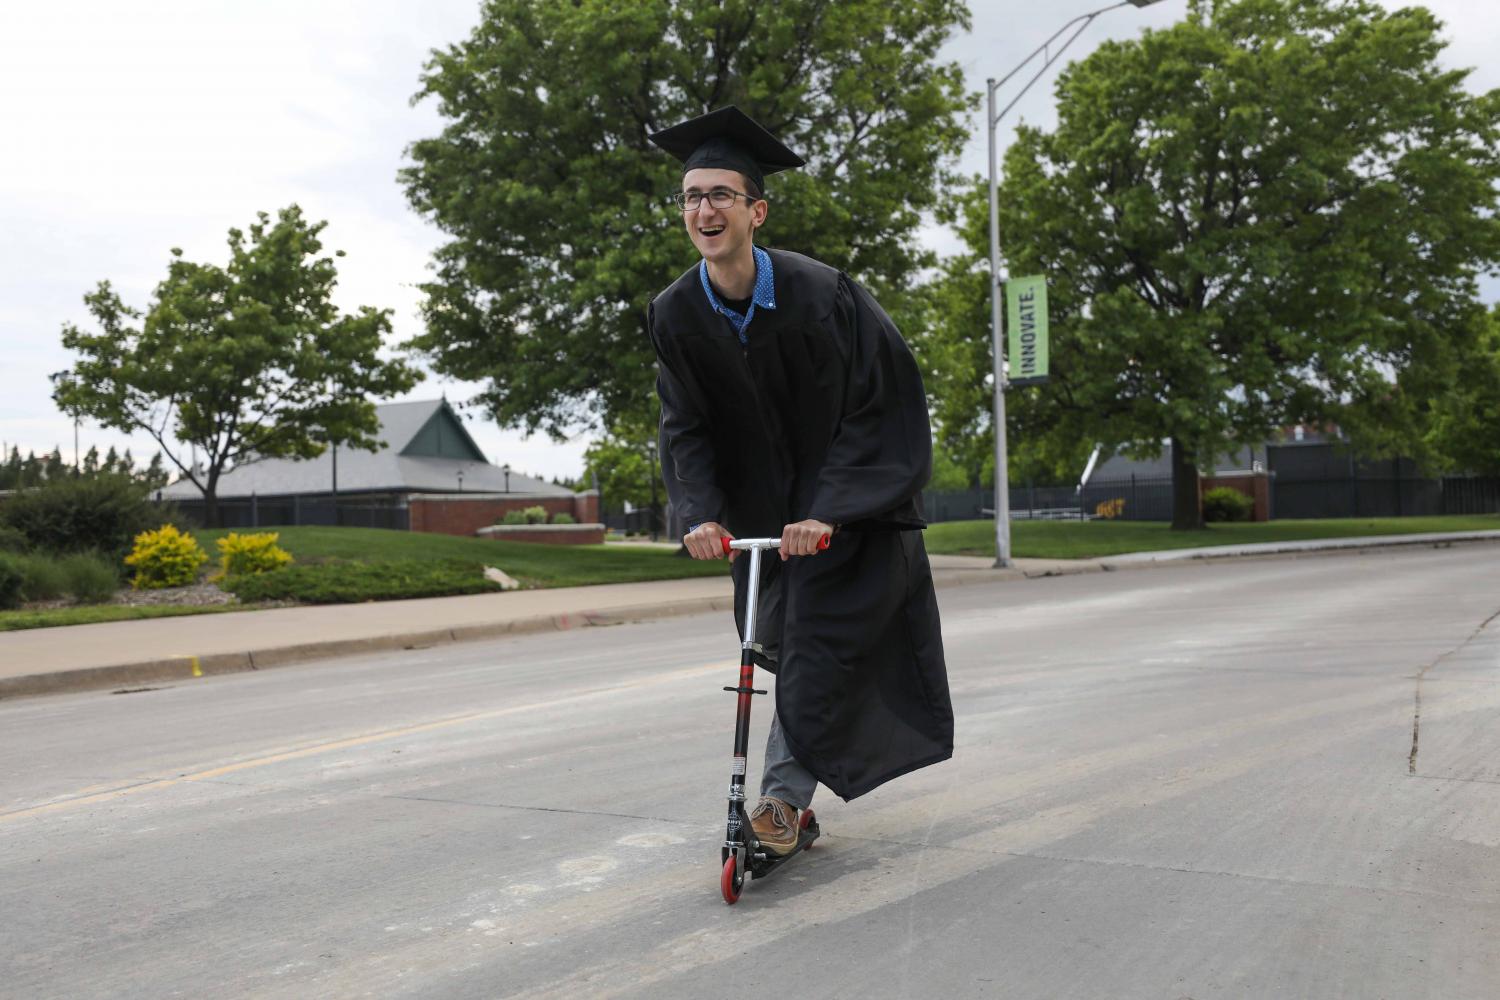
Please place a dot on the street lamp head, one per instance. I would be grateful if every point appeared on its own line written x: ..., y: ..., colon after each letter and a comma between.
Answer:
x: 1143, y: 3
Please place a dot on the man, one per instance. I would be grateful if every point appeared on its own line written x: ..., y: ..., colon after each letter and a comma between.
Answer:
x: 791, y: 406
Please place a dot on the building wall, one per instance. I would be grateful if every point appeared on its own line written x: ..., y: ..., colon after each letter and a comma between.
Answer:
x: 456, y: 514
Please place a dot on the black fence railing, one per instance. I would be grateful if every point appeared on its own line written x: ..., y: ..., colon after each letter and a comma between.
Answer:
x: 1321, y: 479
x: 1368, y: 496
x: 1139, y: 498
x: 348, y: 512
x: 636, y: 522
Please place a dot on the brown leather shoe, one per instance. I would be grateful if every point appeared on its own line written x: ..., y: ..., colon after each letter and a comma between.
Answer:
x: 775, y: 825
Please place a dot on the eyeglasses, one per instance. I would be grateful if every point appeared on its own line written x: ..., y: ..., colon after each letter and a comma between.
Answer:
x: 719, y: 197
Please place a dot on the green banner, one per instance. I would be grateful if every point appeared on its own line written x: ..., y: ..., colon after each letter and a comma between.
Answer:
x: 1027, y: 325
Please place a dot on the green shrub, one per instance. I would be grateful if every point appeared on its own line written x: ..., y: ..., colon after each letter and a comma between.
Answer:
x: 10, y: 582
x: 1224, y: 503
x: 42, y: 578
x: 563, y: 517
x: 90, y: 578
x: 165, y: 558
x: 347, y: 583
x: 99, y: 513
x: 241, y: 555
x: 12, y: 540
x: 536, y: 515
x: 513, y: 517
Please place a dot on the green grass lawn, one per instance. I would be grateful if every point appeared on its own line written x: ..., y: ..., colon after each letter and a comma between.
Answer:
x: 1092, y: 539
x: 535, y: 566
x: 345, y: 565
x: 89, y: 614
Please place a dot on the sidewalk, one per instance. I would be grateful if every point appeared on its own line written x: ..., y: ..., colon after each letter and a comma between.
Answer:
x: 121, y: 654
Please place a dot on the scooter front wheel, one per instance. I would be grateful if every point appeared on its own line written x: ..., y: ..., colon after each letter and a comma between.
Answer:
x: 731, y: 881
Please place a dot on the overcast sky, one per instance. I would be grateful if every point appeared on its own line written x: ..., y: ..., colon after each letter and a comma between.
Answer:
x: 130, y: 128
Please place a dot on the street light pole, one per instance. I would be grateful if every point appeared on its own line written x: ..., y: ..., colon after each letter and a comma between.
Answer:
x: 1002, y: 471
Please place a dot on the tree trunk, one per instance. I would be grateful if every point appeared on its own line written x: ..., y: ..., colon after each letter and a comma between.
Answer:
x: 211, y: 502
x: 1187, y: 506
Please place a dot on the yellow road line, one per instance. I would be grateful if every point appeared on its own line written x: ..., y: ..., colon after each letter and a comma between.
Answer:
x: 355, y: 741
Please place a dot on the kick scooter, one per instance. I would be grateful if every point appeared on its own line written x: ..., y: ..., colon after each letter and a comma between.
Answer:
x: 742, y: 853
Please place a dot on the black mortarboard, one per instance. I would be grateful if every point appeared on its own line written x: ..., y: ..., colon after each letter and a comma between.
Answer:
x: 729, y: 139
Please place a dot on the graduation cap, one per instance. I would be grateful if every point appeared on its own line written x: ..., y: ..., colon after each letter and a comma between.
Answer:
x: 728, y: 139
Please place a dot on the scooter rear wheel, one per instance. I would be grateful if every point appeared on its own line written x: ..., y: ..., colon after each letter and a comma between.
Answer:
x: 730, y: 881
x: 804, y: 823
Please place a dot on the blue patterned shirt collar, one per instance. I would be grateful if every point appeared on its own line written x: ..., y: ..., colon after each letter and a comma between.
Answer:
x: 763, y: 297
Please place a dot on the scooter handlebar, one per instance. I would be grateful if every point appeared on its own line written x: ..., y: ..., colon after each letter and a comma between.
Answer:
x: 742, y: 544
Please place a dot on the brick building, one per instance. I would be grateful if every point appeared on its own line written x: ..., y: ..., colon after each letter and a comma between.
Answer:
x: 429, y: 475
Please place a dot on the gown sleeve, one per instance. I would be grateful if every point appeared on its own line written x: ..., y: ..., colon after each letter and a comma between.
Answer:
x: 881, y: 453
x: 686, y: 449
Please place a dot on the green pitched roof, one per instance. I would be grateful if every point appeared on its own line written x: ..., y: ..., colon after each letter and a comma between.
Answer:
x: 442, y: 436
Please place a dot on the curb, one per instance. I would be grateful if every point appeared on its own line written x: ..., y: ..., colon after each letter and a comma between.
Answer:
x: 1329, y: 546
x: 181, y: 668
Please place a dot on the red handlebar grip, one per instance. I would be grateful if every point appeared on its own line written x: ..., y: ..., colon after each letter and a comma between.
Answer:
x: 823, y: 543
x: 726, y: 540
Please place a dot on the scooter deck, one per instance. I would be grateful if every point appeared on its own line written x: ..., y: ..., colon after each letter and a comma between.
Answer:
x: 760, y: 869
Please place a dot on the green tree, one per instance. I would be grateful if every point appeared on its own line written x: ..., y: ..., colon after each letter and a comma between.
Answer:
x: 247, y: 361
x: 626, y: 468
x: 556, y: 204
x: 953, y: 346
x: 1462, y: 430
x: 1270, y: 213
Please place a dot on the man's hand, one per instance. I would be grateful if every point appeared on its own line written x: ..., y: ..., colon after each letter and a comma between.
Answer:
x: 703, y: 542
x: 802, y: 538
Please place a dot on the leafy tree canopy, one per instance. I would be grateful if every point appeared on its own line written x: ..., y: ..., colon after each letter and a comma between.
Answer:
x: 626, y: 470
x: 556, y: 204
x: 1271, y: 213
x: 1463, y: 426
x: 247, y: 361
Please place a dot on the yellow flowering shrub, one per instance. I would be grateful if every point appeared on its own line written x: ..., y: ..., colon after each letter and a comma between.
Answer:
x: 242, y: 555
x: 165, y: 558
x: 1110, y: 509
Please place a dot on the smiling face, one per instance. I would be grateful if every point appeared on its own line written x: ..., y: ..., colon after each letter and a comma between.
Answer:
x: 722, y: 234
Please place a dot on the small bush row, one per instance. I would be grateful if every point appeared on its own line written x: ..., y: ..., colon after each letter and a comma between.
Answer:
x: 535, y: 515
x: 171, y: 558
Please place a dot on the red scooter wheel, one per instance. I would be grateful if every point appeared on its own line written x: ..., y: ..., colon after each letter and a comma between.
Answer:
x: 804, y: 823
x: 730, y: 882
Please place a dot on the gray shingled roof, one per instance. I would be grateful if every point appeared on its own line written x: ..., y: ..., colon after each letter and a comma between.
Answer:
x: 386, y: 470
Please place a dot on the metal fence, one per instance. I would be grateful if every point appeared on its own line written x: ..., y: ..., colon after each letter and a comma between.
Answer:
x: 358, y: 511
x: 637, y: 521
x: 1139, y: 498
x: 1319, y: 480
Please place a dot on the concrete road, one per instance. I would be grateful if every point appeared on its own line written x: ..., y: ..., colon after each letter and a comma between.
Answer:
x: 1196, y: 781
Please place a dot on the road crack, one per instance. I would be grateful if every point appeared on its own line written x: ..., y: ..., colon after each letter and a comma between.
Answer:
x: 1416, y: 713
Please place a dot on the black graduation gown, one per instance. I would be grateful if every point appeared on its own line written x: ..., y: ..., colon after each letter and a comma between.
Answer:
x: 822, y: 415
